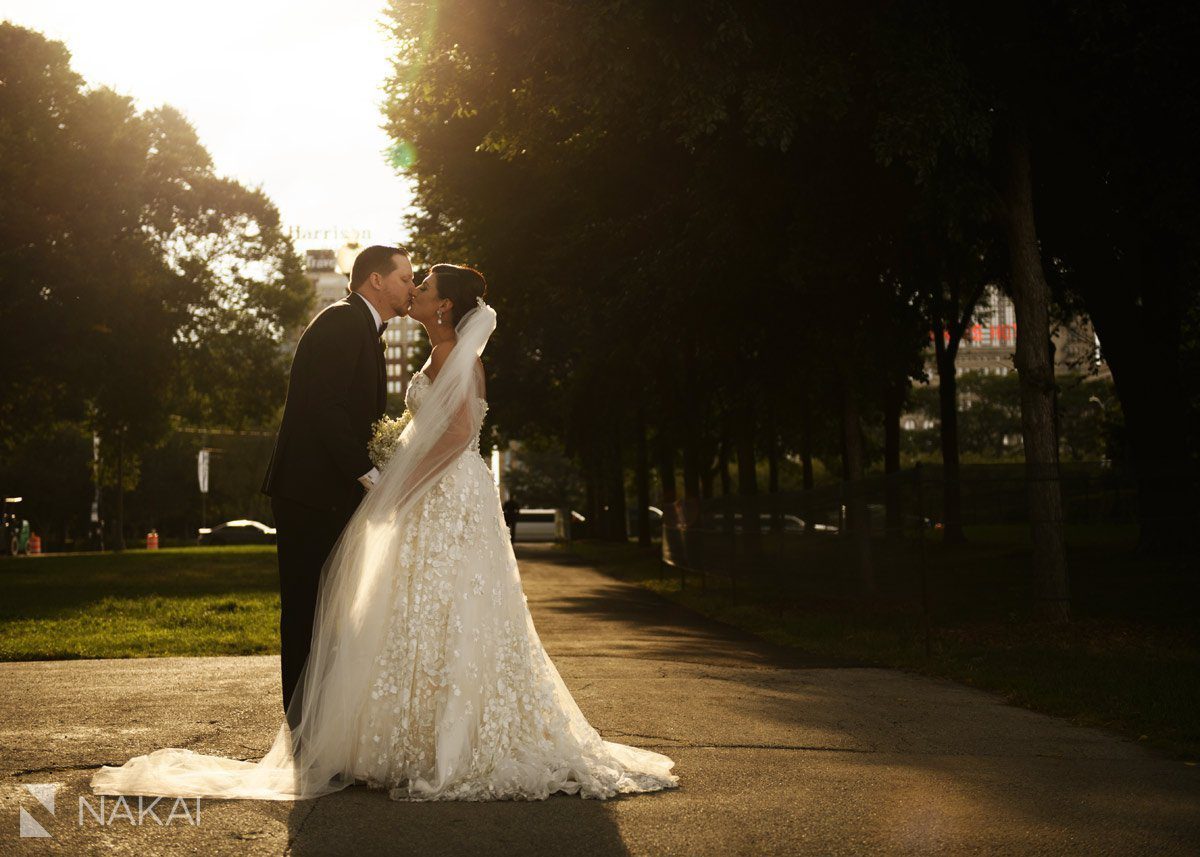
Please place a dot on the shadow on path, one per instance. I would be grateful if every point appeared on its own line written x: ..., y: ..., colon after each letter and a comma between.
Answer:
x: 777, y: 753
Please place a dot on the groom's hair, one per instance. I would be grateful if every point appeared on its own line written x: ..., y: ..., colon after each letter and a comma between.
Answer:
x: 376, y: 259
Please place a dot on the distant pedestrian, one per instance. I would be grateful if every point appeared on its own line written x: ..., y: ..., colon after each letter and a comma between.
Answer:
x: 512, y: 510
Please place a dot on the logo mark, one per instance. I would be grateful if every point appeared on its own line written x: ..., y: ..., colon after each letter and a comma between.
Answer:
x: 44, y: 792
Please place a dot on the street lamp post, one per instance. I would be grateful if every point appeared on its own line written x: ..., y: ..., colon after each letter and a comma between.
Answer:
x: 345, y: 255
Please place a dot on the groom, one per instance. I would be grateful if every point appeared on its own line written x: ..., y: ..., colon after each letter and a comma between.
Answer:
x: 319, y: 469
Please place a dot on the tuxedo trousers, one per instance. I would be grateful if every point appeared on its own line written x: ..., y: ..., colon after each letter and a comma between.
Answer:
x: 305, y: 537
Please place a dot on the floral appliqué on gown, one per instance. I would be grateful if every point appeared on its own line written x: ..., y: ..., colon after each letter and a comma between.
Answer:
x: 465, y: 702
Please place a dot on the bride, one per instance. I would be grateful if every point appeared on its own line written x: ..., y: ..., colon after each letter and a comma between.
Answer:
x: 425, y: 677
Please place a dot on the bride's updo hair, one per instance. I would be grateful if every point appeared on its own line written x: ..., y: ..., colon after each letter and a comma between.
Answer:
x: 462, y: 285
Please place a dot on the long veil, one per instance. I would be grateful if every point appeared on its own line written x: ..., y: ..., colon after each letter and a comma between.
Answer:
x: 316, y: 756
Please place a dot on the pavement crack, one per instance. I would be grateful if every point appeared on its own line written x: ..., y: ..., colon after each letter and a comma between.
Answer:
x: 293, y: 835
x: 53, y: 769
x: 678, y: 743
x: 616, y: 733
x: 813, y: 748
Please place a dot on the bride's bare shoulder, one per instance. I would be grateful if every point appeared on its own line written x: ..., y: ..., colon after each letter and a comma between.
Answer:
x: 438, y: 357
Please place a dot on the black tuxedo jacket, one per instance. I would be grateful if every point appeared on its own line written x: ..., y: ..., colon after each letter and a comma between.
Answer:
x: 336, y: 390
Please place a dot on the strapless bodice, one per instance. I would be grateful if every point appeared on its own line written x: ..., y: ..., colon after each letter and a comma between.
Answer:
x: 419, y: 386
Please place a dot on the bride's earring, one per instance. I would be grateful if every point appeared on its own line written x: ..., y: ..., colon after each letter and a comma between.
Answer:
x: 439, y: 316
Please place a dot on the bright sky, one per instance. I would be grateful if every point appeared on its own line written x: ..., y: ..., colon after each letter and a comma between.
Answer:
x: 283, y: 93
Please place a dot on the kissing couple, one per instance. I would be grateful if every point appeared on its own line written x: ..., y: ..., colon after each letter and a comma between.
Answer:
x: 409, y: 661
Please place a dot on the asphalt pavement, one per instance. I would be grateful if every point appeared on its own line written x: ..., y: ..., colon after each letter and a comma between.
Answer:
x: 777, y: 754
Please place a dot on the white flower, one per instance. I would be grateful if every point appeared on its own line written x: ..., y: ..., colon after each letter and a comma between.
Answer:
x: 385, y: 437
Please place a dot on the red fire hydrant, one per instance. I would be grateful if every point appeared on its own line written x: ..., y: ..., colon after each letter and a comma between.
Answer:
x: 35, y: 544
x: 152, y: 540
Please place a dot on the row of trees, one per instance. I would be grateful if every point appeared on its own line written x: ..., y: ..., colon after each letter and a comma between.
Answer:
x: 135, y: 283
x: 723, y: 232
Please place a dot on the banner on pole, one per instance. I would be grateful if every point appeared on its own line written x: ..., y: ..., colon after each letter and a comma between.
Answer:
x: 202, y: 470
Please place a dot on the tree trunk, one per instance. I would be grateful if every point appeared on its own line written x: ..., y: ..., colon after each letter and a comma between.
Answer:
x: 1166, y: 473
x: 894, y: 396
x: 1155, y: 428
x: 893, y: 404
x: 691, y: 467
x: 1031, y: 298
x: 642, y: 477
x: 723, y: 453
x: 952, y: 532
x: 842, y: 435
x: 691, y: 451
x: 853, y: 465
x: 747, y: 475
x: 1144, y: 359
x: 665, y: 455
x: 772, y: 461
x: 119, y: 535
x: 618, y: 515
x: 595, y: 493
x: 774, y: 507
x: 806, y: 457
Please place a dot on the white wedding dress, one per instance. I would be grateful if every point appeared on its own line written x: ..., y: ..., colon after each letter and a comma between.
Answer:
x: 427, y: 677
x: 465, y: 703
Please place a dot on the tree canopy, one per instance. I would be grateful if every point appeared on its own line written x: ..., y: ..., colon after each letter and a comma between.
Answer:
x: 729, y: 230
x: 135, y: 282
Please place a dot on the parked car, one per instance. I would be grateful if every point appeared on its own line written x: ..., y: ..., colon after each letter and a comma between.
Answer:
x: 788, y: 523
x: 240, y: 532
x: 577, y: 526
x: 539, y: 525
x: 877, y: 515
x: 656, y: 517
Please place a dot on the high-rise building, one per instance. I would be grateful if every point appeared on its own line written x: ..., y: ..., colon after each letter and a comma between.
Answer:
x: 989, y: 346
x: 402, y: 341
x: 320, y: 266
x: 990, y: 343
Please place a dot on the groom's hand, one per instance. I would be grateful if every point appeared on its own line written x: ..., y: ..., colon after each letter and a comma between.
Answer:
x: 369, y: 478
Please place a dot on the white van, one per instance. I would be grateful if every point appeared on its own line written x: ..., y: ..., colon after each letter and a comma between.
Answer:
x: 539, y: 525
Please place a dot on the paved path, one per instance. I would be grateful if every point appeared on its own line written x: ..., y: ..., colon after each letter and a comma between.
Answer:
x: 777, y: 755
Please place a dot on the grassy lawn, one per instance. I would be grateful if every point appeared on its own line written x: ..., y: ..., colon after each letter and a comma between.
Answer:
x: 1129, y: 662
x: 177, y: 601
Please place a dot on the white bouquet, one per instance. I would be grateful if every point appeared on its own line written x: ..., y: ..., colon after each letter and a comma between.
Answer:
x: 385, y: 437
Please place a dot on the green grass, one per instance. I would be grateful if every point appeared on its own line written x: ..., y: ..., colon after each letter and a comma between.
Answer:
x: 1133, y: 675
x: 1136, y: 676
x: 177, y: 601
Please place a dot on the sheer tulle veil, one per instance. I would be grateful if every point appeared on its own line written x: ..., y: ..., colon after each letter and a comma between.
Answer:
x: 315, y: 757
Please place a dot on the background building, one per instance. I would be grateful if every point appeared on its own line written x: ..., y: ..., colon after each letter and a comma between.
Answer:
x: 988, y: 348
x: 990, y: 343
x: 320, y: 266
